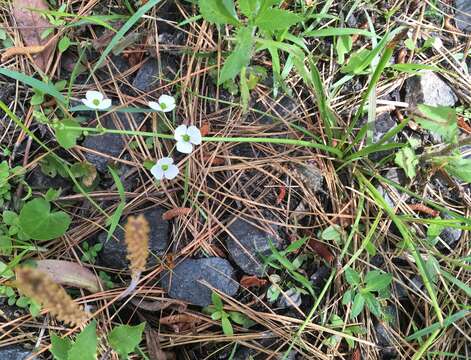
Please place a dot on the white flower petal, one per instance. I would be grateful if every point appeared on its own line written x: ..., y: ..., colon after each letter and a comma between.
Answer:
x: 180, y: 131
x: 94, y: 95
x: 165, y: 161
x: 155, y: 106
x: 157, y: 171
x: 184, y: 147
x: 167, y: 100
x: 105, y: 104
x: 195, y: 135
x: 88, y: 103
x: 171, y: 172
x: 167, y: 108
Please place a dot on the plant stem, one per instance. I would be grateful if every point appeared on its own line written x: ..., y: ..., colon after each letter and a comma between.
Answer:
x: 295, y: 142
x: 447, y: 149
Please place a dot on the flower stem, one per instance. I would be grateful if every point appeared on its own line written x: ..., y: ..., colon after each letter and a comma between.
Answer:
x: 281, y: 141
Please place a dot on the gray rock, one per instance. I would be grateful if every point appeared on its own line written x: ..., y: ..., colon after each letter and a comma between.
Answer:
x: 385, y: 335
x: 185, y: 281
x: 398, y: 176
x: 39, y: 181
x: 250, y: 242
x: 383, y: 123
x: 152, y: 72
x: 109, y: 144
x: 311, y: 176
x: 14, y: 352
x: 320, y: 275
x: 290, y: 298
x: 428, y: 88
x: 463, y: 15
x: 114, y: 251
x: 449, y: 237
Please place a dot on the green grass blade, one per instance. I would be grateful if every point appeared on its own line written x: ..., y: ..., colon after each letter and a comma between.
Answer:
x: 124, y: 29
x: 435, y: 326
x: 46, y: 88
x: 331, y: 31
x: 114, y: 219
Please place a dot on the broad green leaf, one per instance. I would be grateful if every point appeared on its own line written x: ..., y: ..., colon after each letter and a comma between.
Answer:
x: 5, y: 272
x: 433, y: 268
x: 373, y: 305
x: 60, y: 347
x: 433, y: 232
x: 216, y: 315
x: 376, y: 280
x: 216, y: 299
x: 38, y: 222
x: 10, y: 217
x: 227, y: 326
x: 407, y: 160
x: 343, y: 47
x: 64, y: 44
x: 248, y: 7
x: 239, y: 318
x: 220, y: 12
x: 347, y: 297
x: 276, y: 19
x: 240, y: 57
x: 352, y: 277
x: 85, y: 346
x: 124, y: 338
x: 355, y: 64
x: 333, y: 232
x: 441, y: 120
x: 460, y: 168
x: 65, y: 137
x: 357, y: 307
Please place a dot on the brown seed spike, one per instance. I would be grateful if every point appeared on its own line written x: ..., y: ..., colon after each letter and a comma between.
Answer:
x: 137, y: 242
x: 40, y: 287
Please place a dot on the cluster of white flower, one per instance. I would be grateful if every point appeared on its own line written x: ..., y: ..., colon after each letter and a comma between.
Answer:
x: 185, y: 136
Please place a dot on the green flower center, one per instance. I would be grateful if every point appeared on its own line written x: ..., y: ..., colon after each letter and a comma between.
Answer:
x: 186, y: 138
x: 96, y: 102
x: 165, y: 167
x: 163, y: 106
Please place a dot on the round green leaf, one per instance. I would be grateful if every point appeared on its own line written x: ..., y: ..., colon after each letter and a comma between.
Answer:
x: 38, y: 222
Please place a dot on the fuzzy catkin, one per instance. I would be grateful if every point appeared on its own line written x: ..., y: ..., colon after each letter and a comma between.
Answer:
x: 137, y: 242
x: 40, y: 287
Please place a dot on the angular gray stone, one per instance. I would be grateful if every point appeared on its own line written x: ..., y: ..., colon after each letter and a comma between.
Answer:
x: 152, y: 72
x: 428, y: 88
x: 311, y: 176
x: 113, y: 253
x: 463, y: 15
x: 250, y: 243
x: 109, y: 144
x: 14, y: 352
x: 185, y: 281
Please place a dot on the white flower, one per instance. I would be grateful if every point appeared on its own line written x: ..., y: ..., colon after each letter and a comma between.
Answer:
x: 187, y: 137
x: 164, y: 169
x: 166, y: 103
x: 96, y: 100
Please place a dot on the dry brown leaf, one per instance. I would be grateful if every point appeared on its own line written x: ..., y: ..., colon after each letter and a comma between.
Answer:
x: 70, y: 274
x: 252, y: 280
x: 172, y: 213
x: 322, y: 250
x: 31, y: 25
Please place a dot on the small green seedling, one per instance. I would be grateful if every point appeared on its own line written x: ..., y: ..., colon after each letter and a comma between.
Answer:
x: 338, y: 324
x: 90, y: 253
x: 123, y: 339
x: 217, y: 312
x: 367, y: 291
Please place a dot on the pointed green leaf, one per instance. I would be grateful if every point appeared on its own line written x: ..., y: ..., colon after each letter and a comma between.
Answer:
x: 460, y: 168
x: 276, y: 19
x: 407, y: 160
x: 441, y: 120
x: 240, y: 57
x: 65, y: 137
x: 85, y: 346
x: 124, y: 338
x: 220, y: 12
x: 60, y: 347
x: 357, y: 307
